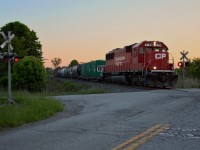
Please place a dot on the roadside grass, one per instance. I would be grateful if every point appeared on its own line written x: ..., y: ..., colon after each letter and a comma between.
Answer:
x: 188, y: 83
x: 28, y: 108
x: 31, y: 107
x: 61, y: 87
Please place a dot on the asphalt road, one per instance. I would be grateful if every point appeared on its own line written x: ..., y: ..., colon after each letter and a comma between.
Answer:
x: 147, y: 120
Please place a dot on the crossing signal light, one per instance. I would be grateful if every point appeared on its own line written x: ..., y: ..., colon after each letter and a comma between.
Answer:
x: 180, y: 64
x: 5, y: 59
x: 14, y: 58
x: 17, y: 58
x: 187, y: 64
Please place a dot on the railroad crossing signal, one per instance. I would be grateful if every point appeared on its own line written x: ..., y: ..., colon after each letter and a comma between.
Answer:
x: 183, y: 58
x: 13, y: 56
x: 184, y: 55
x: 7, y: 39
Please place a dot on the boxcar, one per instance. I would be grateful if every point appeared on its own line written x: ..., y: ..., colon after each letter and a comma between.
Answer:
x: 92, y: 70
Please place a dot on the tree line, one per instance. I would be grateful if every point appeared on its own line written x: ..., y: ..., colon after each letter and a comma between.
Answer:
x: 192, y: 70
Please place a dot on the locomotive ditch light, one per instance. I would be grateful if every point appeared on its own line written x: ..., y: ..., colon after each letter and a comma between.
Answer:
x: 154, y: 43
x: 154, y: 67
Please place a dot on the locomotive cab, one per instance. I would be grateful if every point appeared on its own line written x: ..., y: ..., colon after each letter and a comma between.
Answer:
x: 159, y: 68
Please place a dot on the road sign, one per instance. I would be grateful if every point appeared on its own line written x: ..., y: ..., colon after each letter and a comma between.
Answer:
x: 184, y: 55
x: 4, y: 36
x: 7, y: 39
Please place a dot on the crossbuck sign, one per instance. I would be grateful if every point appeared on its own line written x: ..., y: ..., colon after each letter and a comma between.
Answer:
x: 7, y: 39
x: 184, y: 55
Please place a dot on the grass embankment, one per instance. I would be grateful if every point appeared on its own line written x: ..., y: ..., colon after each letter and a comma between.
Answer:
x: 62, y: 87
x: 30, y: 107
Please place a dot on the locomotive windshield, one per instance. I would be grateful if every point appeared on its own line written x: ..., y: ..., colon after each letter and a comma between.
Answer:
x: 150, y: 49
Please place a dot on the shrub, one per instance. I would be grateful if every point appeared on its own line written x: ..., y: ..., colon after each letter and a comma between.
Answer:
x: 4, y: 81
x: 29, y: 74
x: 74, y: 87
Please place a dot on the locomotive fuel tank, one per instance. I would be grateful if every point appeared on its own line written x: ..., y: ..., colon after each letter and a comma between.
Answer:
x: 119, y: 79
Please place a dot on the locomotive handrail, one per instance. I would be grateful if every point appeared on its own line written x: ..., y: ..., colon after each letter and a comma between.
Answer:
x: 148, y: 65
x: 144, y: 63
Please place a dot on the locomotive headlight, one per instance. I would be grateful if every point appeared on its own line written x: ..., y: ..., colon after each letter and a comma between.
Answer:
x: 154, y: 67
x: 154, y: 43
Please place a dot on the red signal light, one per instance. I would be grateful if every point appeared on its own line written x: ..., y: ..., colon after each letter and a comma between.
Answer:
x: 5, y: 59
x: 16, y: 59
x: 180, y: 64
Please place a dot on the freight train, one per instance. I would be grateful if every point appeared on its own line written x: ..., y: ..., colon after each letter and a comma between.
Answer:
x: 88, y: 71
x: 147, y: 63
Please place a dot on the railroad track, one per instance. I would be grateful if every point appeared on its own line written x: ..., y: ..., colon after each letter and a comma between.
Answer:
x: 112, y: 87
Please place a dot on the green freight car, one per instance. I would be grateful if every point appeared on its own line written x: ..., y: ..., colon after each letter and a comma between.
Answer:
x: 92, y: 70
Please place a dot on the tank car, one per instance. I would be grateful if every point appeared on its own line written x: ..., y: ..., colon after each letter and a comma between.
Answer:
x: 146, y: 63
x: 61, y: 72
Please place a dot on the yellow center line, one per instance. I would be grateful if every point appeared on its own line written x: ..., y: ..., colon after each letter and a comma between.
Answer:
x: 123, y: 145
x: 142, y: 141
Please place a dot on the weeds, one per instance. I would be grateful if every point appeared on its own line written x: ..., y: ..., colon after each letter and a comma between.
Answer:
x: 60, y: 87
x: 188, y: 83
x: 28, y: 108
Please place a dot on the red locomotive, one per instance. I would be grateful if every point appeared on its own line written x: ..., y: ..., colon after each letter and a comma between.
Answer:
x: 145, y: 63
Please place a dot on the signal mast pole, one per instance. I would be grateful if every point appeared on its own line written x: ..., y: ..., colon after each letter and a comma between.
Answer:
x: 183, y: 69
x: 183, y: 72
x: 9, y: 70
x: 8, y: 41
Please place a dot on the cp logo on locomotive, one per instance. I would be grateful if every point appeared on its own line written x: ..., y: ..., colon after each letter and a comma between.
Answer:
x: 160, y: 55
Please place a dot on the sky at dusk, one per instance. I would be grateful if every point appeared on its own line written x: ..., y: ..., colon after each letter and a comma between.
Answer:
x: 86, y: 30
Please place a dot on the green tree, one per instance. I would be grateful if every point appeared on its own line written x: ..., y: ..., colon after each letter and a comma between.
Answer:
x: 29, y: 74
x: 73, y: 63
x: 56, y: 62
x: 49, y: 71
x: 194, y: 68
x: 25, y: 42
